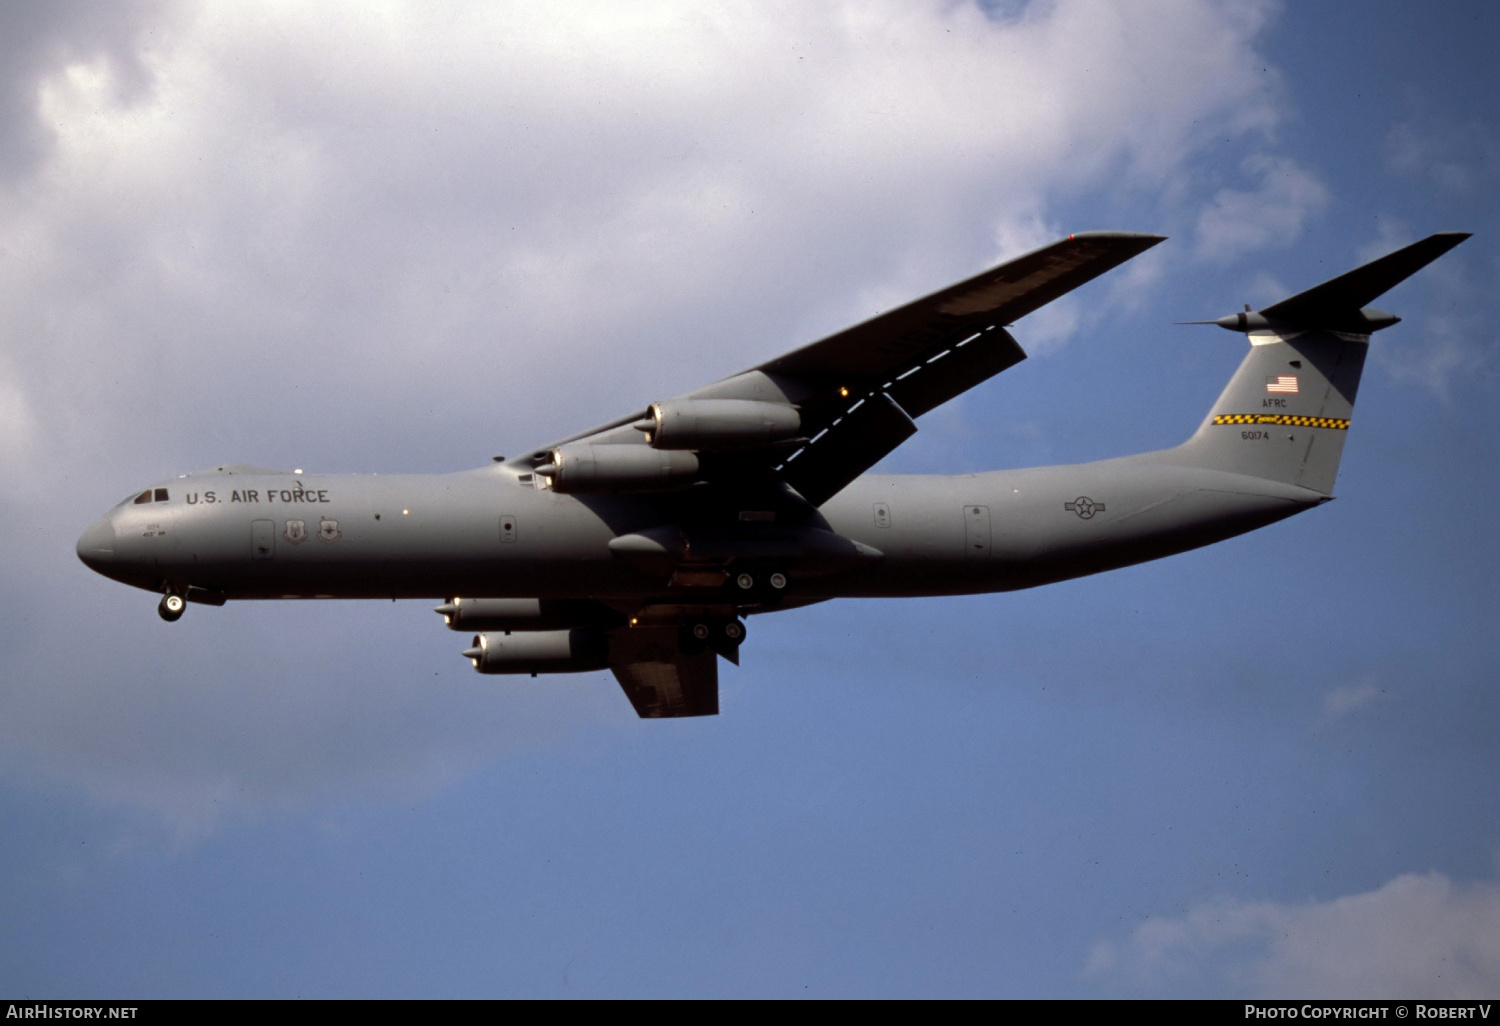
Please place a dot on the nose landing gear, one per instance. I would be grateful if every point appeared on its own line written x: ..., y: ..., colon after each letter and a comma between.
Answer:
x: 171, y: 607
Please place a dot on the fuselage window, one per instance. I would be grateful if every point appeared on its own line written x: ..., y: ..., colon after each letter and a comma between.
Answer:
x: 161, y: 495
x: 143, y: 497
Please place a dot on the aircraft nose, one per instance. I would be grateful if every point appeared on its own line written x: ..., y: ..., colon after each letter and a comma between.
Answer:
x: 96, y: 546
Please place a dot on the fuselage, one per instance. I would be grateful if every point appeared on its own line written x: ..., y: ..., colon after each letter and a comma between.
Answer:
x: 495, y: 532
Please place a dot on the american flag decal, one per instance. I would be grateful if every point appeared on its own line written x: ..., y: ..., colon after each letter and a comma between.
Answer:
x: 1282, y: 383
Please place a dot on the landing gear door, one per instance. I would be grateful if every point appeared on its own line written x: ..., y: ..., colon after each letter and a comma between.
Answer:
x: 262, y: 539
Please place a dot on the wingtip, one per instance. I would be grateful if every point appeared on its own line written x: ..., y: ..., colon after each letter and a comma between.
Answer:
x: 1444, y: 240
x: 1437, y: 243
x: 1146, y: 238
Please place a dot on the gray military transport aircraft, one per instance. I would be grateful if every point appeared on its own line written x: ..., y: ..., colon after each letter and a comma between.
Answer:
x: 641, y: 545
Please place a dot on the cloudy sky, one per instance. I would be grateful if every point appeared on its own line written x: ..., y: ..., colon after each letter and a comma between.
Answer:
x: 408, y: 237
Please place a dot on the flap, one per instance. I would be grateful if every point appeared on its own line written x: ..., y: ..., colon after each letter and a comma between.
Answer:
x: 659, y: 679
x: 852, y: 444
x: 686, y: 686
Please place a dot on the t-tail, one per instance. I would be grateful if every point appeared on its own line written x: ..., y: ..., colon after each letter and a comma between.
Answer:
x: 1286, y: 412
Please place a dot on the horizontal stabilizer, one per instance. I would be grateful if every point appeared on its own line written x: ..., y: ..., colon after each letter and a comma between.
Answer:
x: 1336, y: 304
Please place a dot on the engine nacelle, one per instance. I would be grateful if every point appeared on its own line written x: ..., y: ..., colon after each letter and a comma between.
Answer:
x: 467, y: 614
x: 574, y: 651
x: 579, y: 467
x: 713, y: 424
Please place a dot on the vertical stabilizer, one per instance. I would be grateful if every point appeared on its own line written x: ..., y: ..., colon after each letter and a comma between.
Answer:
x: 1285, y: 414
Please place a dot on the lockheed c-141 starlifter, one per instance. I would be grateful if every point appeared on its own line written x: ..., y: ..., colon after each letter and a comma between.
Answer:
x: 640, y: 546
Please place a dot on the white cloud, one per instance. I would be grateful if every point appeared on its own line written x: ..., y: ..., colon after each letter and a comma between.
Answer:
x: 17, y: 427
x: 402, y: 177
x: 1344, y: 700
x: 1444, y: 355
x: 1133, y: 283
x: 356, y: 237
x: 1390, y: 235
x: 1442, y: 344
x: 1049, y: 328
x: 1418, y: 935
x: 1456, y: 158
x: 1271, y: 214
x: 1264, y: 289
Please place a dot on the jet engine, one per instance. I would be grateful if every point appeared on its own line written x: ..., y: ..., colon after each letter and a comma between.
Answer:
x: 521, y: 614
x: 533, y: 652
x: 580, y: 467
x: 713, y: 424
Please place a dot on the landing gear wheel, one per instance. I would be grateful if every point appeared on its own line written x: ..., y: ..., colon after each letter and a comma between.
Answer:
x: 726, y: 638
x: 744, y: 582
x: 695, y: 636
x: 171, y: 607
x: 777, y: 581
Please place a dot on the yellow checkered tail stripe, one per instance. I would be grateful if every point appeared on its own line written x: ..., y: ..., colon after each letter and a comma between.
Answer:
x: 1285, y: 419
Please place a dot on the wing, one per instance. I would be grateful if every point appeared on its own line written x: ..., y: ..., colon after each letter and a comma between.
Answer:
x: 886, y: 346
x: 858, y: 391
x: 903, y: 363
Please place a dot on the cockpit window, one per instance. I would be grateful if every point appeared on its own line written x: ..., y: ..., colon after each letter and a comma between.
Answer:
x: 161, y: 495
x: 143, y: 497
